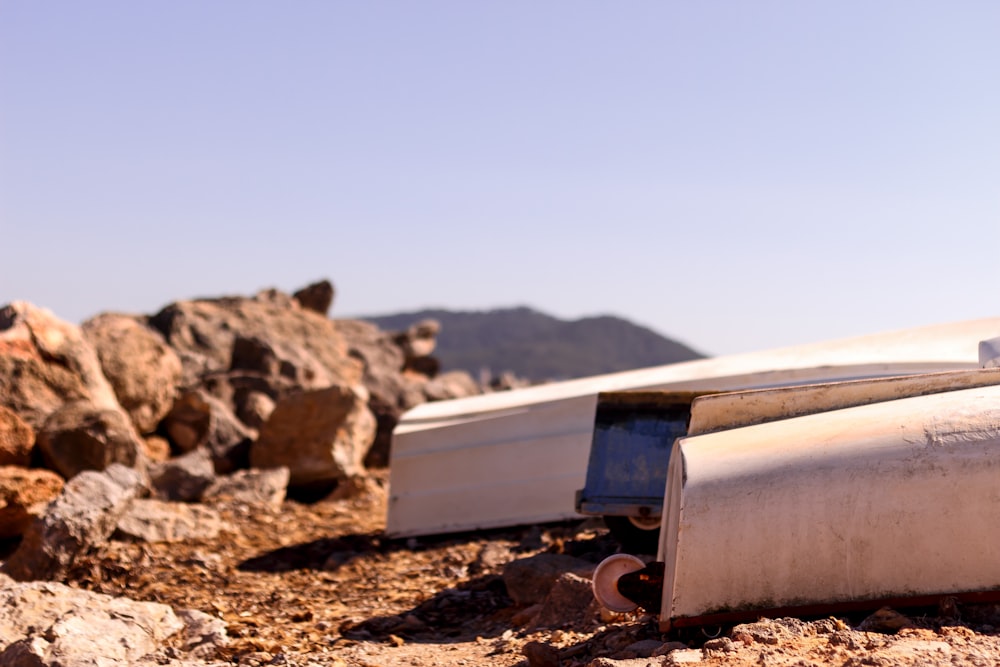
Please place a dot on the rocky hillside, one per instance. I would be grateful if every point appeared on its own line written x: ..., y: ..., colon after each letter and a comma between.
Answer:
x: 538, y: 347
x: 199, y: 389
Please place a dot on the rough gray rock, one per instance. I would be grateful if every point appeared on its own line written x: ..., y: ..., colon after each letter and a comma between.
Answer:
x: 253, y: 487
x: 151, y: 520
x: 85, y: 514
x: 183, y: 478
x: 279, y: 359
x: 80, y: 436
x: 143, y: 370
x: 44, y: 623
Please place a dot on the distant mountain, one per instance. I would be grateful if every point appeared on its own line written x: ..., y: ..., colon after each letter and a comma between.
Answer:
x: 540, y: 347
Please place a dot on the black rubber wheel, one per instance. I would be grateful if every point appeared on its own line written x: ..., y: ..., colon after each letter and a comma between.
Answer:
x: 633, y: 538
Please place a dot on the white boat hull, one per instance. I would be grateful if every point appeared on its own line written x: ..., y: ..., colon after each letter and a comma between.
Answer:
x: 886, y: 501
x: 519, y: 457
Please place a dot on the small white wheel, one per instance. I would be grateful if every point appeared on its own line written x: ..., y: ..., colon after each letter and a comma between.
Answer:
x: 606, y: 577
x: 645, y: 522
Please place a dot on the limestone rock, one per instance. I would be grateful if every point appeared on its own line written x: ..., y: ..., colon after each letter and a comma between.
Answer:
x: 201, y: 420
x: 320, y: 436
x: 391, y: 391
x: 151, y: 520
x: 16, y: 439
x: 44, y: 623
x: 183, y: 478
x: 143, y: 370
x: 46, y: 362
x: 254, y: 487
x: 272, y: 358
x: 204, y: 331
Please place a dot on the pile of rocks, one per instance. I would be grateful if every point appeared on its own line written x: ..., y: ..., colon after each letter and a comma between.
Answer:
x: 134, y: 423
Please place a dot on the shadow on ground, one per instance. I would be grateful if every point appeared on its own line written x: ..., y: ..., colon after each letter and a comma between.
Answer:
x: 479, y: 607
x: 331, y: 552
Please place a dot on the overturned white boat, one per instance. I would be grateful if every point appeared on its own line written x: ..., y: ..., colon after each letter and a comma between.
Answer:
x: 816, y: 499
x: 634, y: 432
x: 519, y: 457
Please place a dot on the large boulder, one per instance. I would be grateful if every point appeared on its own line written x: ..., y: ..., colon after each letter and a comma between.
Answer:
x: 24, y: 495
x: 46, y: 362
x: 204, y: 333
x: 143, y: 370
x: 83, y: 516
x: 321, y: 436
x: 17, y: 439
x: 79, y: 436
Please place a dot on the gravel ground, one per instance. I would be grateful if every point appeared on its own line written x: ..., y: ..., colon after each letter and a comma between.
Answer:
x: 318, y: 584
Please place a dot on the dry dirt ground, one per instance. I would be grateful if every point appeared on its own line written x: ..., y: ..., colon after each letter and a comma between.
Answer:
x: 318, y: 584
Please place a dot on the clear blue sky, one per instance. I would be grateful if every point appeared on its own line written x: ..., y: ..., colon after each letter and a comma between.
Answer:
x: 736, y: 175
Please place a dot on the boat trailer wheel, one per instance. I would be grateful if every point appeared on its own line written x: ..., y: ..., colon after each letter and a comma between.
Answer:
x: 606, y: 577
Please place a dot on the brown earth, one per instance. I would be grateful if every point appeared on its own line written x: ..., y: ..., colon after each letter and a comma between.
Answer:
x: 318, y: 584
